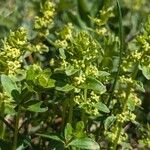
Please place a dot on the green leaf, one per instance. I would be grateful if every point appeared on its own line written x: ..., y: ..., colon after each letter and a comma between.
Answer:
x: 21, y: 147
x: 62, y: 53
x: 84, y: 7
x: 103, y: 74
x: 37, y: 108
x: 102, y: 107
x: 70, y: 70
x: 32, y: 74
x: 68, y: 132
x: 95, y: 85
x: 65, y: 88
x: 131, y: 104
x: 16, y: 95
x: 25, y: 95
x: 139, y: 86
x: 79, y: 132
x: 109, y: 122
x: 8, y: 84
x: 145, y: 71
x: 52, y: 137
x: 42, y: 80
x: 51, y: 83
x: 45, y: 81
x: 85, y: 143
x: 80, y: 126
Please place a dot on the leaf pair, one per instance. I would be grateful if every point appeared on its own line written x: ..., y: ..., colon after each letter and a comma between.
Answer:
x: 76, y: 139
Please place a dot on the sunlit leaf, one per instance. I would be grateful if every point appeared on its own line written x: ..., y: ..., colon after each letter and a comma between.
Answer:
x: 52, y: 137
x: 68, y: 132
x: 65, y: 88
x: 85, y: 143
x: 95, y: 85
x: 109, y: 122
x: 8, y: 84
x: 102, y: 107
x: 37, y: 108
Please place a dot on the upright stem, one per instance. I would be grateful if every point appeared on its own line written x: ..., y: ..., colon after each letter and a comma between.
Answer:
x: 16, y: 129
x: 70, y: 113
x: 64, y: 105
x: 71, y: 105
x: 2, y: 125
x: 83, y: 116
x: 120, y: 124
x: 120, y: 53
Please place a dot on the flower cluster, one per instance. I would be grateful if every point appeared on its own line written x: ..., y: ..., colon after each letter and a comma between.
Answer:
x: 43, y: 22
x: 112, y: 135
x: 105, y: 14
x: 8, y: 102
x: 13, y: 48
x: 79, y: 53
x: 88, y: 104
x: 65, y: 36
x: 139, y: 53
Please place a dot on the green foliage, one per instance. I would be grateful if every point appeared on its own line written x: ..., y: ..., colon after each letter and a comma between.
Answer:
x: 74, y: 138
x: 74, y: 74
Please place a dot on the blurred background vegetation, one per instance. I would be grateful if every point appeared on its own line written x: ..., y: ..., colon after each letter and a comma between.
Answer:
x: 14, y: 13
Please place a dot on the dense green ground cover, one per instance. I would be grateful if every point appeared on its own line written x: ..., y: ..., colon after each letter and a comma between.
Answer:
x: 75, y: 74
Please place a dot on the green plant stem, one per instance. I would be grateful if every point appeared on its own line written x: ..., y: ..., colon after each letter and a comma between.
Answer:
x: 64, y: 105
x: 121, y: 37
x: 70, y: 114
x: 71, y: 105
x: 16, y: 129
x: 83, y: 115
x: 135, y: 72
x: 117, y: 136
x: 2, y: 125
x: 120, y: 124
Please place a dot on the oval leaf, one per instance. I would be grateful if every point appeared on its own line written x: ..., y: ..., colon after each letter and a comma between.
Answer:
x: 146, y: 72
x: 102, y: 107
x: 68, y: 132
x: 65, y: 88
x: 37, y: 108
x: 95, y: 85
x: 109, y: 122
x: 8, y: 84
x: 85, y: 143
x: 70, y: 70
x: 52, y: 137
